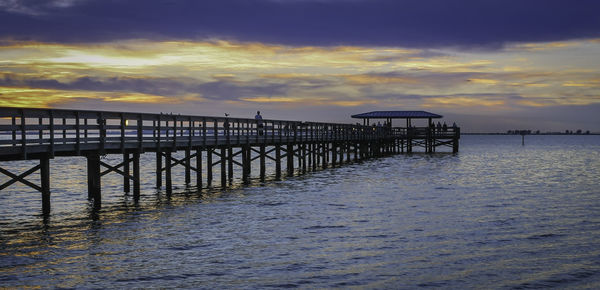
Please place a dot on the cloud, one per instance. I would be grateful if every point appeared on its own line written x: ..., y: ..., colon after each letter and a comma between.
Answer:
x: 428, y: 23
x: 36, y: 7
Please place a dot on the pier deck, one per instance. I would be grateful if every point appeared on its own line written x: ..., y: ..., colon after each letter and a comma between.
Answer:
x: 42, y: 134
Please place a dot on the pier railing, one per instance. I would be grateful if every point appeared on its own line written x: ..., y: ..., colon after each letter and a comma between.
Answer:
x: 27, y: 131
x: 42, y: 134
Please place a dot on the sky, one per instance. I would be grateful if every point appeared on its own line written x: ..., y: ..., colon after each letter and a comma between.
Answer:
x: 488, y: 65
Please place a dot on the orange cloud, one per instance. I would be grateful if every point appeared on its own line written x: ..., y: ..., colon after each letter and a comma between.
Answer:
x: 365, y: 79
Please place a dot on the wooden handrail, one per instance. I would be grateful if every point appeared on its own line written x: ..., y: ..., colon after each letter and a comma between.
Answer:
x: 80, y: 130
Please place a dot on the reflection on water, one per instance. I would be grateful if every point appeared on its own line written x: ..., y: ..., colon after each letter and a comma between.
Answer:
x: 495, y: 215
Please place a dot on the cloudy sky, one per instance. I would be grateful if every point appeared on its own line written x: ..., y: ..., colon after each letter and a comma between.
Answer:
x: 489, y: 65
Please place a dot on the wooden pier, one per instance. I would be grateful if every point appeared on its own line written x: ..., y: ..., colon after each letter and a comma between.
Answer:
x: 43, y: 134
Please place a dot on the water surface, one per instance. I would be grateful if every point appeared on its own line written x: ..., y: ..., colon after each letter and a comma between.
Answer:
x: 496, y: 215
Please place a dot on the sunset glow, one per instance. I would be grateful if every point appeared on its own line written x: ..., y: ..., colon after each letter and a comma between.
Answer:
x: 209, y: 75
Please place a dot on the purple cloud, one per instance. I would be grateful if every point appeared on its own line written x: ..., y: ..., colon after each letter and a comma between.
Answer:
x: 425, y: 24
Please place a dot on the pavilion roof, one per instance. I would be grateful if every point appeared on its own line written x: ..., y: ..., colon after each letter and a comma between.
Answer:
x: 397, y: 115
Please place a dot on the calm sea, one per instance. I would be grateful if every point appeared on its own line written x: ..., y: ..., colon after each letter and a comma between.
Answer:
x: 496, y: 215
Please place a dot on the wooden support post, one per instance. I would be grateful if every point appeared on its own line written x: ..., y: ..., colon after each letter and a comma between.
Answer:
x: 313, y: 157
x: 230, y: 164
x: 310, y: 156
x: 328, y: 151
x: 317, y: 149
x: 455, y: 140
x: 299, y: 155
x: 209, y: 166
x: 188, y: 178
x: 249, y: 162
x: 246, y: 164
x: 45, y: 182
x: 223, y: 167
x: 303, y: 152
x: 324, y: 153
x: 94, y: 186
x: 290, y: 159
x: 333, y: 154
x: 126, y: 182
x: 158, y: 169
x: 136, y: 175
x: 277, y: 162
x: 199, y: 168
x: 169, y: 183
x: 262, y: 163
x: 348, y: 157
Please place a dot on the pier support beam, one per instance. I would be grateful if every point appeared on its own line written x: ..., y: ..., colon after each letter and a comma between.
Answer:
x: 45, y: 182
x: 209, y: 166
x: 324, y: 154
x: 188, y: 176
x: 126, y: 183
x: 230, y: 164
x: 199, y: 168
x: 290, y: 159
x: 277, y: 162
x: 159, y: 169
x: 333, y: 154
x: 262, y: 163
x: 94, y: 186
x: 136, y: 175
x: 246, y: 164
x: 223, y: 162
x: 169, y: 183
x: 303, y: 153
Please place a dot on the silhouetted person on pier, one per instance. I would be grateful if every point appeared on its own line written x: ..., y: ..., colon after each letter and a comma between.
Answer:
x: 226, y: 126
x: 454, y: 125
x: 445, y: 127
x: 259, y: 122
x: 439, y: 127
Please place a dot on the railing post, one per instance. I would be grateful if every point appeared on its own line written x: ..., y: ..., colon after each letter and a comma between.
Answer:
x: 102, y: 130
x: 122, y: 133
x: 64, y: 130
x: 77, y: 133
x: 174, y: 133
x: 203, y: 131
x: 14, y: 130
x: 23, y: 135
x: 140, y: 133
x: 51, y: 121
x: 41, y: 130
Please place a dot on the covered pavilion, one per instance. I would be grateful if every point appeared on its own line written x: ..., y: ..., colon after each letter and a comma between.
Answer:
x: 389, y: 115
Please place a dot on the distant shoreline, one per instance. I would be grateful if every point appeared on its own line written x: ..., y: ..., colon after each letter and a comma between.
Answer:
x: 545, y: 134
